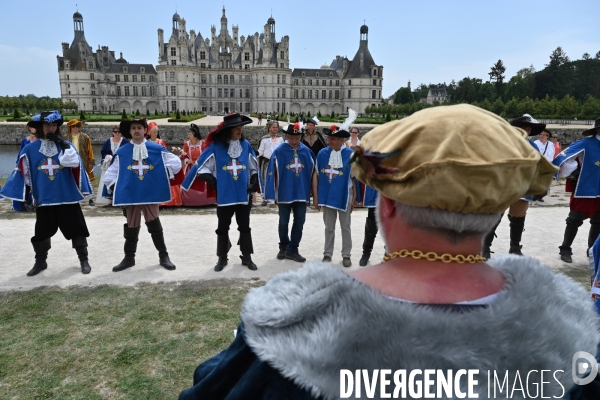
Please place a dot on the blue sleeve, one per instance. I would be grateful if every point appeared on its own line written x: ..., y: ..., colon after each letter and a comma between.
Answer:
x: 105, y: 150
x: 574, y: 149
x: 270, y: 181
x: 236, y: 373
x: 191, y: 175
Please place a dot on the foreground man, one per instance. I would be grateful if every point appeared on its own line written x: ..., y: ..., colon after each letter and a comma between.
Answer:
x: 414, y: 311
x: 288, y: 183
x: 229, y: 165
x: 139, y: 179
x: 579, y: 163
x: 56, y: 175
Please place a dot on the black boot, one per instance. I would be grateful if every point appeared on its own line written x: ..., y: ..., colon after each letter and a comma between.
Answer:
x: 517, y: 226
x: 486, y: 251
x: 574, y: 221
x: 41, y: 253
x: 223, y: 246
x: 370, y: 234
x: 593, y: 235
x: 156, y: 231
x: 131, y: 240
x: 247, y: 249
x: 80, y: 245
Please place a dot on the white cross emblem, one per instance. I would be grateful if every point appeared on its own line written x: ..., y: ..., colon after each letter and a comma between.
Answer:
x: 233, y: 167
x: 331, y: 172
x: 49, y: 167
x: 296, y: 165
x: 141, y: 168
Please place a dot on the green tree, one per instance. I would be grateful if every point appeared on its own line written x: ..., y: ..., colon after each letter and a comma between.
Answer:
x: 177, y: 115
x: 546, y: 108
x: 512, y: 108
x: 155, y: 111
x: 498, y: 106
x: 591, y: 108
x: 124, y: 115
x: 403, y: 96
x: 568, y: 107
x: 81, y: 116
x: 527, y: 106
x: 16, y: 114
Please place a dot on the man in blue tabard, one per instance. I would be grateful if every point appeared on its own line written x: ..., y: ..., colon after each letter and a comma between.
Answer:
x: 229, y: 165
x: 288, y: 183
x: 56, y: 175
x: 139, y: 179
x: 335, y: 191
x: 580, y: 163
x: 369, y: 201
x: 518, y: 210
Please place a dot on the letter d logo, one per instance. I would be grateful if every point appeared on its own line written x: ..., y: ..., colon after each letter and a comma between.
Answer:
x: 581, y: 368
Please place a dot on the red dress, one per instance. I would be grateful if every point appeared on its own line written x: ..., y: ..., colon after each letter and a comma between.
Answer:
x: 192, y: 198
x: 175, y: 190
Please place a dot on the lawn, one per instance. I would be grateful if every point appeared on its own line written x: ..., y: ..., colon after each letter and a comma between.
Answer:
x: 140, y: 342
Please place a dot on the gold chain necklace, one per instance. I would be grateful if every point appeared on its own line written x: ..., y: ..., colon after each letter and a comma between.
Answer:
x: 431, y: 256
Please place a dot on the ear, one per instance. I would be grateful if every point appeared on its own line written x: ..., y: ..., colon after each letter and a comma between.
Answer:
x: 387, y: 207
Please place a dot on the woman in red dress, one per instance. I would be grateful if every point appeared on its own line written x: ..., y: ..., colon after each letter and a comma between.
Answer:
x: 192, y: 148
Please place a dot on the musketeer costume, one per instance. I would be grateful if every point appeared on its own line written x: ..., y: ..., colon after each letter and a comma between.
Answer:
x: 58, y: 181
x: 232, y: 170
x: 139, y: 178
x: 289, y: 178
x: 580, y: 164
x: 318, y: 141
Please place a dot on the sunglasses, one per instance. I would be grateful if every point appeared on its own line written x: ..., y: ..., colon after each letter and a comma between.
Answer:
x: 116, y: 131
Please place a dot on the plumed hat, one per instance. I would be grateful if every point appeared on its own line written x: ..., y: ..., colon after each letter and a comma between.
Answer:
x: 293, y: 129
x: 528, y: 121
x: 125, y: 126
x: 48, y: 117
x: 592, y: 131
x: 344, y: 130
x: 312, y: 120
x: 229, y: 121
x: 457, y: 158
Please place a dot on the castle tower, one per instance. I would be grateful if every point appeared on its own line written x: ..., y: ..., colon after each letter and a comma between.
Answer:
x: 223, y: 23
x: 78, y: 22
x: 364, y: 33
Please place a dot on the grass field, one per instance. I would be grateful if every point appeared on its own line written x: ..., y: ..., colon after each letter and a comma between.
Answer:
x: 139, y: 342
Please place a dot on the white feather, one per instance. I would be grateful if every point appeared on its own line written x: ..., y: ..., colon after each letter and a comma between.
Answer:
x: 316, y: 120
x: 348, y: 122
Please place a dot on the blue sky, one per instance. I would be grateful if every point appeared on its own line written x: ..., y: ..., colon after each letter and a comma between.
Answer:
x: 424, y: 41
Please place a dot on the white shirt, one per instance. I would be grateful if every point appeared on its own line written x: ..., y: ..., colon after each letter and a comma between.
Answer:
x: 268, y: 145
x: 171, y: 161
x: 547, y: 149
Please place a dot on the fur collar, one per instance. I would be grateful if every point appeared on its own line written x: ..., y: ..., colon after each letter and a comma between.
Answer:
x: 309, y: 324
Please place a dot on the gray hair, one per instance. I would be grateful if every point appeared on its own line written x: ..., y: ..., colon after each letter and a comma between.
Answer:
x: 456, y: 227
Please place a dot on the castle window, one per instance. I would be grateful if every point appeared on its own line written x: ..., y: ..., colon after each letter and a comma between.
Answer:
x: 316, y: 94
x: 221, y: 64
x: 330, y: 94
x: 247, y: 93
x: 219, y: 92
x: 219, y: 79
x: 337, y: 94
x: 225, y: 80
x: 303, y: 81
x: 323, y: 94
x: 93, y: 85
x: 172, y: 76
x: 303, y: 74
x: 302, y: 94
x: 143, y: 70
x: 152, y: 91
x: 283, y: 79
x: 125, y: 78
x: 374, y: 94
x: 92, y: 76
x: 151, y: 78
x: 278, y: 92
x: 143, y: 78
x: 173, y: 62
x: 281, y: 65
x: 202, y: 65
x: 225, y: 92
x: 310, y: 82
x: 124, y: 70
x: 349, y: 94
x: 135, y: 91
x: 374, y: 82
x: 310, y: 94
x: 283, y: 93
x: 282, y: 55
x: 247, y: 80
x: 241, y: 93
x: 118, y: 90
x: 173, y: 91
x: 203, y: 92
x: 173, y: 105
x: 317, y: 75
x: 231, y: 79
x: 246, y: 66
x: 91, y: 65
x: 246, y: 56
x: 295, y: 81
x: 67, y: 77
x: 203, y: 55
x: 324, y: 82
x: 349, y: 82
x: 134, y: 78
x: 203, y: 78
x: 278, y: 78
x: 144, y: 92
x: 126, y: 90
x: 173, y: 51
x: 337, y: 82
x: 295, y: 93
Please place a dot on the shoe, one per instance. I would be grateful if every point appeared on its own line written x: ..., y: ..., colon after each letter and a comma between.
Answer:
x: 85, y: 267
x: 281, y: 255
x: 127, y: 262
x: 566, y: 258
x: 247, y: 261
x: 264, y: 203
x: 156, y: 232
x: 541, y: 200
x: 364, y: 260
x: 92, y: 202
x: 221, y: 264
x: 295, y: 257
x: 38, y: 267
x: 131, y: 240
x: 326, y: 259
x: 515, y: 250
x: 347, y: 263
x: 166, y: 263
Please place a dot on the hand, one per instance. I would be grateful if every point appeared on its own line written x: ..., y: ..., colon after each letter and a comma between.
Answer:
x: 316, y: 204
x: 253, y: 187
x: 210, y: 179
x: 58, y: 140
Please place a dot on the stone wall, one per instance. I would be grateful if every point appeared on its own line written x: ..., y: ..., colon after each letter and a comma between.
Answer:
x: 176, y: 134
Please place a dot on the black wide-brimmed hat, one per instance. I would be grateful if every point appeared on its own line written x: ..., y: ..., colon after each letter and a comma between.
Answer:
x: 592, y: 131
x: 48, y: 117
x: 195, y: 131
x: 234, y: 119
x: 528, y: 121
x: 293, y: 129
x: 336, y: 132
x: 125, y: 126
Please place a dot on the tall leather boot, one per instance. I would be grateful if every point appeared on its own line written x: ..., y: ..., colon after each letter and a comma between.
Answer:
x: 370, y: 234
x: 80, y: 245
x: 156, y: 231
x: 593, y: 235
x: 247, y: 249
x: 131, y: 239
x: 41, y: 253
x: 223, y: 246
x: 574, y: 221
x: 486, y: 251
x: 517, y: 226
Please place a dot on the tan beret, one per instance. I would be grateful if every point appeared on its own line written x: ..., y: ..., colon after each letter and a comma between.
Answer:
x: 74, y: 122
x: 458, y: 158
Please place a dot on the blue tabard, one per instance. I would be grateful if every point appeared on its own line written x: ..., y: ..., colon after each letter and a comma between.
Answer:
x: 370, y: 199
x: 51, y: 183
x: 334, y: 184
x: 145, y: 182
x: 588, y: 184
x: 294, y: 169
x: 233, y: 174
